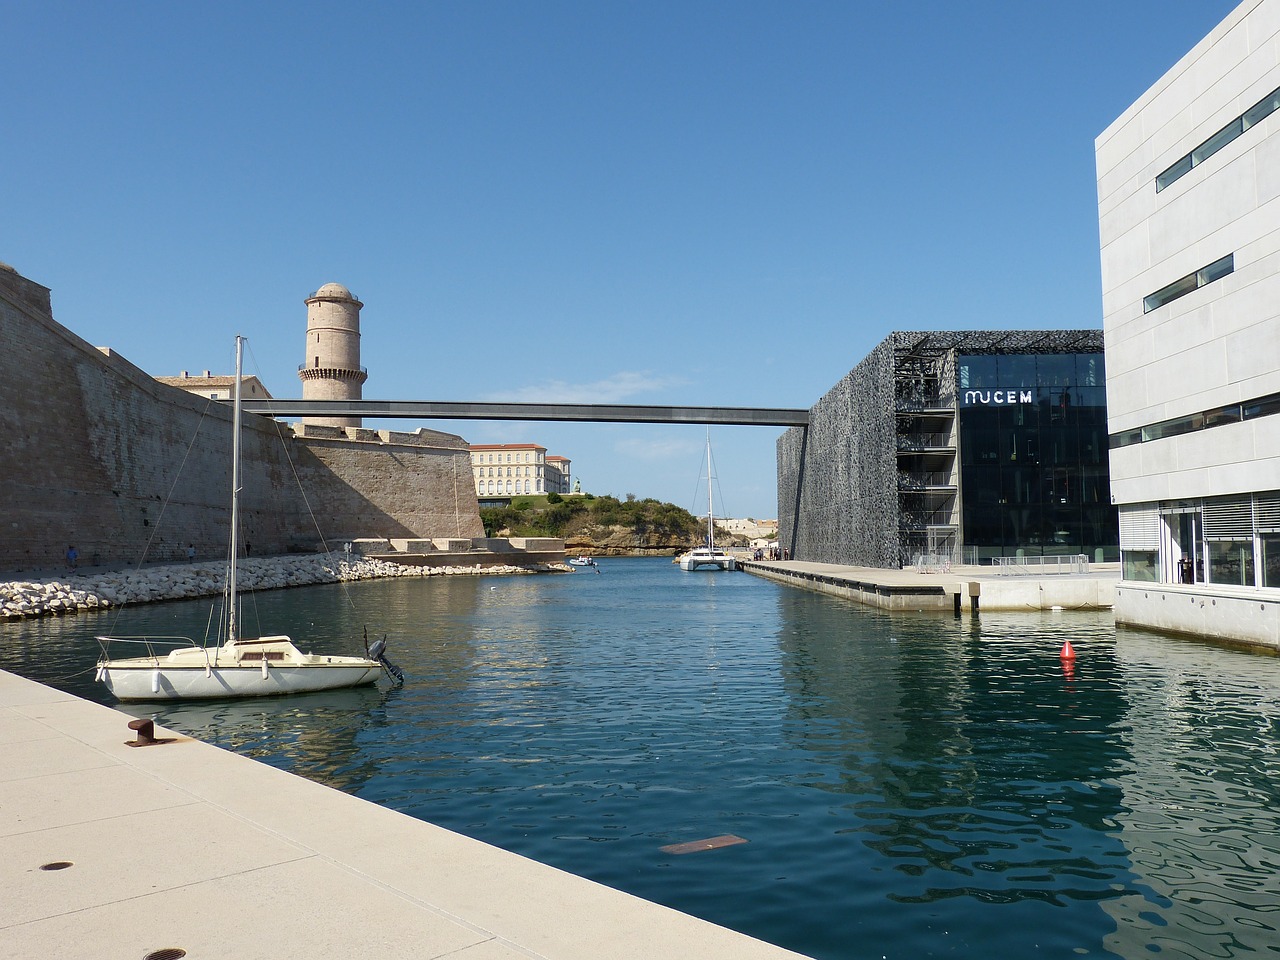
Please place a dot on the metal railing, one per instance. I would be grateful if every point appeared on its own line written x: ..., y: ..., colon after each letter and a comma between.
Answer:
x: 933, y: 562
x: 915, y: 480
x: 1041, y: 566
x: 925, y: 441
x: 917, y: 522
x: 914, y: 403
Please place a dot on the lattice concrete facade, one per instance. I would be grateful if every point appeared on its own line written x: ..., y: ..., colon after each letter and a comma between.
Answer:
x: 878, y: 475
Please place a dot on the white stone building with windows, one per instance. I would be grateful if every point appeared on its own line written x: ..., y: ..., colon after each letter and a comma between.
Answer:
x: 1189, y: 203
x: 558, y: 474
x: 514, y: 469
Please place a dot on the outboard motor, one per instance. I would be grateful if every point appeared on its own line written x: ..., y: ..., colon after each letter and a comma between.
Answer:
x: 378, y: 651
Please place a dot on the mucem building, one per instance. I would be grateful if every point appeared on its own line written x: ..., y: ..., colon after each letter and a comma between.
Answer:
x: 962, y: 446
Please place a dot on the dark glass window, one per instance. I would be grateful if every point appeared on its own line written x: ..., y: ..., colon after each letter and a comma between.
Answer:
x: 977, y: 372
x: 1262, y: 407
x: 1057, y: 369
x: 1033, y: 456
x: 1270, y: 543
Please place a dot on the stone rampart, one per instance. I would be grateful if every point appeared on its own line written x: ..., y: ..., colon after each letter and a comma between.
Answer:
x: 57, y: 596
x: 97, y: 453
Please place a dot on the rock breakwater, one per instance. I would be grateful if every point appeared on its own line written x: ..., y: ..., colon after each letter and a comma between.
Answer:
x: 93, y: 590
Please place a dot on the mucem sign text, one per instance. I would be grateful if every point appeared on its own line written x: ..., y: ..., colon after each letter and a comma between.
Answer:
x: 993, y: 397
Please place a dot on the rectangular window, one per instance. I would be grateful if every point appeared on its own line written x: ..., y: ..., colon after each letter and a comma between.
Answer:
x: 1262, y: 109
x: 1179, y: 169
x: 1173, y: 428
x: 1270, y: 559
x: 1262, y: 407
x: 1217, y: 141
x: 1255, y: 114
x: 1192, y: 281
x: 1231, y: 562
x: 1138, y: 565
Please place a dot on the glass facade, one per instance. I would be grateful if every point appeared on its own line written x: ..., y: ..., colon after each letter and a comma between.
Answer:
x: 1033, y: 456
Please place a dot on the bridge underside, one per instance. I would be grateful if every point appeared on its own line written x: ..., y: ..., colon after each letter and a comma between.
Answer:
x: 579, y: 412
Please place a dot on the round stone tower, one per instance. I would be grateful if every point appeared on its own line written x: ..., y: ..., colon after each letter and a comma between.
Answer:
x: 332, y: 368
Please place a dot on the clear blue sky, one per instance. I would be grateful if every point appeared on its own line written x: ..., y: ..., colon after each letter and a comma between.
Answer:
x: 689, y: 202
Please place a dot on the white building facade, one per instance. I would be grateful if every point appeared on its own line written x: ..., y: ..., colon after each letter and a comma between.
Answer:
x: 511, y: 469
x: 1189, y: 222
x: 559, y: 478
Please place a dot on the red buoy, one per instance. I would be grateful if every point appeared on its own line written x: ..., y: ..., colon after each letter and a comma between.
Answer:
x: 1067, y: 652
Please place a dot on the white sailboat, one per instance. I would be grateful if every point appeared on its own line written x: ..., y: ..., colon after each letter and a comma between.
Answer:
x: 708, y: 556
x: 239, y: 666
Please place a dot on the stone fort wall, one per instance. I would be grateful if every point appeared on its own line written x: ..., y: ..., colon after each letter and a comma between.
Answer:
x: 95, y: 452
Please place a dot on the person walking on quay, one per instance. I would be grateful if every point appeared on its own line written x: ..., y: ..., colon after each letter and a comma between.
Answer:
x: 73, y: 556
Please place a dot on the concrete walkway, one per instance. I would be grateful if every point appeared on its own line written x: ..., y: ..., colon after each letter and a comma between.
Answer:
x: 958, y: 588
x: 184, y: 845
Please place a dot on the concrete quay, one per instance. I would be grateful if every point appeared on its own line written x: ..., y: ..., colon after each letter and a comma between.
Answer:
x: 114, y: 851
x: 972, y: 588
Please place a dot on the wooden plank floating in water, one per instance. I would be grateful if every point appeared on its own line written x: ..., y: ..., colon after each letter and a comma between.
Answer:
x: 713, y: 843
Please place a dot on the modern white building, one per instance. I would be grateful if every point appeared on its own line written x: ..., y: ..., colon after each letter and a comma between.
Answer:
x: 1189, y: 220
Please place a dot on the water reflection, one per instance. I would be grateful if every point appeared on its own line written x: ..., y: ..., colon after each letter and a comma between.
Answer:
x: 315, y: 735
x: 908, y: 784
x: 1200, y: 814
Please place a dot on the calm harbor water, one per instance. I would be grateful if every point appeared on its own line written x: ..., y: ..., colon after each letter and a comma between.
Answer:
x: 908, y: 785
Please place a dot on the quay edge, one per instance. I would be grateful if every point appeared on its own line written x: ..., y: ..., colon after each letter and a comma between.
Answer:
x: 183, y: 845
x: 964, y: 588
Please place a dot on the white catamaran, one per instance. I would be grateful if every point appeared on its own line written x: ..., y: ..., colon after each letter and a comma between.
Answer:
x: 239, y: 666
x: 708, y: 556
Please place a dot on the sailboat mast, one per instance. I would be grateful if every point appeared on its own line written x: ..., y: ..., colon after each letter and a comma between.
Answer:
x: 232, y: 598
x: 711, y: 530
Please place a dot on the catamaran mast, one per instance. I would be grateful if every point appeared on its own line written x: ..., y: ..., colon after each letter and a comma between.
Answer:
x: 711, y: 532
x: 232, y: 599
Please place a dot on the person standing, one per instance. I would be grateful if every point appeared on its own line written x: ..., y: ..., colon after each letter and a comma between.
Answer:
x: 73, y: 556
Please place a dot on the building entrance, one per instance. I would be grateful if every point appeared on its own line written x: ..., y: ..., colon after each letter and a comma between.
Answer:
x: 1184, y: 553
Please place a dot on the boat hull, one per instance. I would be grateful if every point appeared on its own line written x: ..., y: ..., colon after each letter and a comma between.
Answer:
x: 708, y: 561
x: 149, y: 682
x: 266, y: 667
